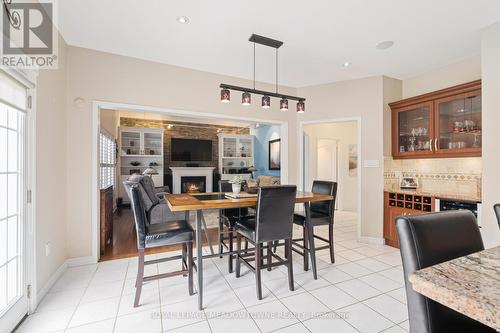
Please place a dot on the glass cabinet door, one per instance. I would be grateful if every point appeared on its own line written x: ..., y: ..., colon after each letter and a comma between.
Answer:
x: 458, y: 123
x: 414, y: 130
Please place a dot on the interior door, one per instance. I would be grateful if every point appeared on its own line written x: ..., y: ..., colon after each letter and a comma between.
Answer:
x: 327, y: 162
x: 13, y: 291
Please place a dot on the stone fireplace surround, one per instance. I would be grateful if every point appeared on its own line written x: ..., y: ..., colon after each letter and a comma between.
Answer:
x: 178, y: 172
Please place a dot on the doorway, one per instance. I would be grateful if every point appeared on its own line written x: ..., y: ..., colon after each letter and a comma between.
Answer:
x: 329, y: 151
x: 15, y: 253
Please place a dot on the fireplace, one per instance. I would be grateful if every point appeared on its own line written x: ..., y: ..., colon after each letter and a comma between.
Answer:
x: 193, y: 184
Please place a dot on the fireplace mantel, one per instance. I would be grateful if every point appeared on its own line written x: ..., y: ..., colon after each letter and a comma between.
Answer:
x: 178, y: 172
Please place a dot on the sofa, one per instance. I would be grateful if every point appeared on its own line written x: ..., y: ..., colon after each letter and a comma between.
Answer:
x: 153, y: 197
x: 263, y: 181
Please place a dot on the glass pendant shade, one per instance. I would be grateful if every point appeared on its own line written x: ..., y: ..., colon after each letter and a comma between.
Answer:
x: 284, y: 104
x: 225, y: 95
x: 266, y: 102
x: 301, y: 107
x: 246, y: 98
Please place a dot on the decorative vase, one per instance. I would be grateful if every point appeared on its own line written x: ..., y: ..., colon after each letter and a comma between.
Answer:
x: 236, y: 188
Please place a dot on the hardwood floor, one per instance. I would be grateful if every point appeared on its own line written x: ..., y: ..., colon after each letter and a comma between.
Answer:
x: 124, y: 243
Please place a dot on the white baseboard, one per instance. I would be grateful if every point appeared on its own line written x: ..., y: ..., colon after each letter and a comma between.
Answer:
x: 371, y: 240
x: 52, y: 280
x: 80, y: 261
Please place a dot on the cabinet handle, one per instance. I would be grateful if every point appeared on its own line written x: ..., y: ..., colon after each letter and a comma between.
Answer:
x: 436, y: 144
x: 430, y: 144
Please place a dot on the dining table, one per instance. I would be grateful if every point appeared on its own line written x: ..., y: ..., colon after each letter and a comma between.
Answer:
x: 469, y: 285
x: 197, y: 202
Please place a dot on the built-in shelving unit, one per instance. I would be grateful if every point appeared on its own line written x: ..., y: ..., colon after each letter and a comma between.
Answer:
x: 139, y: 149
x: 236, y: 155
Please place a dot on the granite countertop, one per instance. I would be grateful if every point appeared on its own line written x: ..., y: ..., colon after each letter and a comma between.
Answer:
x: 438, y: 195
x: 469, y: 285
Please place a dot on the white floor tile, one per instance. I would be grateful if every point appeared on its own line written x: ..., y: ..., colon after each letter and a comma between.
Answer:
x: 405, y: 325
x: 102, y: 291
x: 296, y: 328
x: 329, y: 323
x: 399, y: 294
x: 395, y: 329
x: 181, y: 314
x: 306, y: 281
x: 200, y: 327
x: 305, y: 306
x: 395, y: 273
x: 280, y: 288
x: 105, y: 326
x: 389, y: 308
x: 47, y: 321
x: 372, y: 264
x: 239, y: 320
x: 62, y: 300
x: 354, y: 269
x: 333, y: 297
x: 391, y: 258
x: 358, y: 289
x: 365, y: 319
x: 149, y: 300
x: 352, y: 255
x: 144, y: 322
x: 95, y: 311
x: 380, y: 282
x: 334, y: 275
x: 217, y: 303
x: 248, y: 295
x: 175, y: 294
x: 272, y: 316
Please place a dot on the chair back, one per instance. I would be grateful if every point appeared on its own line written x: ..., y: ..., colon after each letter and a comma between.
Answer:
x: 147, y: 189
x: 427, y: 240
x: 139, y: 212
x: 497, y: 213
x: 326, y: 208
x: 275, y: 206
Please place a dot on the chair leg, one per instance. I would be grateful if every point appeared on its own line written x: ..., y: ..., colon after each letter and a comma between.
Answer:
x: 258, y: 266
x: 221, y: 236
x: 330, y: 242
x: 288, y: 251
x: 184, y: 256
x: 246, y: 245
x: 230, y: 257
x: 275, y: 246
x: 238, y: 253
x: 139, y: 279
x: 306, y: 252
x: 269, y: 257
x: 190, y: 267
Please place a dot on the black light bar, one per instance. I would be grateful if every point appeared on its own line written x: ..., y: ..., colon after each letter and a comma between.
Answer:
x: 261, y: 92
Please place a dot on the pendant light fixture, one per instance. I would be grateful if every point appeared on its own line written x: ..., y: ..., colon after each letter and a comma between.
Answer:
x: 266, y: 102
x: 284, y: 104
x: 246, y: 98
x: 225, y: 95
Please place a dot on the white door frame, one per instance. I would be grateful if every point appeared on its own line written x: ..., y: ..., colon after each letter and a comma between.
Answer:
x: 300, y: 145
x: 30, y: 267
x: 98, y: 105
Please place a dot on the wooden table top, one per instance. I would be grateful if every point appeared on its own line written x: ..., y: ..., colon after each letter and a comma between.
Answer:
x: 469, y: 285
x: 184, y: 202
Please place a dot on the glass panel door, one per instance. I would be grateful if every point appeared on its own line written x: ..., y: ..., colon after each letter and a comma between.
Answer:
x: 13, y: 301
x: 414, y: 130
x: 459, y: 123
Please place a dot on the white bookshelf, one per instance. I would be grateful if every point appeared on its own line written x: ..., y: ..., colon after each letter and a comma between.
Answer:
x: 236, y: 152
x: 142, y: 145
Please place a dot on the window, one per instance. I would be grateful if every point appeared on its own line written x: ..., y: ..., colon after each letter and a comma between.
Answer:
x: 107, y: 159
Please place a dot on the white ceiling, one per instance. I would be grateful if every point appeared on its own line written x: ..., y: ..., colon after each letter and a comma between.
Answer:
x: 319, y: 36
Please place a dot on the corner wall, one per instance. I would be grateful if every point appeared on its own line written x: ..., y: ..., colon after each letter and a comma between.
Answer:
x: 261, y: 147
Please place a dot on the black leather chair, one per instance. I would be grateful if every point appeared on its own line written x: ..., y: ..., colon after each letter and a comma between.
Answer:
x: 227, y: 219
x: 497, y: 213
x: 427, y: 240
x: 159, y: 234
x: 322, y: 213
x: 273, y: 222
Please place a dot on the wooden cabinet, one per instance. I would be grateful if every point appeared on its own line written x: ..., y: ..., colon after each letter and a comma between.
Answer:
x: 236, y: 155
x: 399, y: 204
x: 445, y: 123
x: 106, y: 218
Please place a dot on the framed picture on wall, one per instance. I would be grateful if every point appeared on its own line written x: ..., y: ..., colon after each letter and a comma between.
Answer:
x: 274, y: 154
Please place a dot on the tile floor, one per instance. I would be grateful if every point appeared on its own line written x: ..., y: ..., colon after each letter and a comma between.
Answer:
x: 362, y: 292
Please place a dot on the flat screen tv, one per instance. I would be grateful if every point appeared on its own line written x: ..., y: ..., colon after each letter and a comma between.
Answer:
x: 186, y: 150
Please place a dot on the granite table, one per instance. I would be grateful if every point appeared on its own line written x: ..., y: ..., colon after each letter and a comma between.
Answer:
x: 469, y: 285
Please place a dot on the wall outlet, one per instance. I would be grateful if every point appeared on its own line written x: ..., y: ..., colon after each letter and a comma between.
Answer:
x: 47, y: 249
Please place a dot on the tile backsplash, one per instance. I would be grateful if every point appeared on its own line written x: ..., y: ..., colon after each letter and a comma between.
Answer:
x: 442, y: 175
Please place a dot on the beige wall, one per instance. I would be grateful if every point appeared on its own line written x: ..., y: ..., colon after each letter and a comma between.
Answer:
x: 490, y: 51
x: 443, y: 77
x: 51, y: 196
x: 94, y: 75
x: 361, y: 98
x: 345, y: 133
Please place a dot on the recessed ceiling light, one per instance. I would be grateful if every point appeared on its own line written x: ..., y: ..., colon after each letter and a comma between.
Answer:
x: 384, y: 45
x: 183, y: 19
x: 346, y: 64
